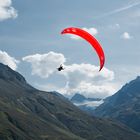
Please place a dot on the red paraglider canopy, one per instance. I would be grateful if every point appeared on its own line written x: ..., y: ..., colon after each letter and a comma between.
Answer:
x: 88, y: 37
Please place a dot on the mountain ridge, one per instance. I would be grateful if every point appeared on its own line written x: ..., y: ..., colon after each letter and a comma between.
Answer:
x: 81, y: 98
x: 84, y: 103
x: 124, y: 105
x: 30, y: 114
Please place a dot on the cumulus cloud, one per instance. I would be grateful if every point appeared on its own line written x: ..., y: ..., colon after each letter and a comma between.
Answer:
x: 87, y: 80
x: 92, y: 31
x: 126, y: 36
x: 6, y: 59
x: 44, y: 65
x: 82, y: 78
x: 6, y: 10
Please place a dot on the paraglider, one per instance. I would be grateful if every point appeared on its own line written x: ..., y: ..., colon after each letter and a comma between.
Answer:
x: 88, y: 37
x: 60, y: 68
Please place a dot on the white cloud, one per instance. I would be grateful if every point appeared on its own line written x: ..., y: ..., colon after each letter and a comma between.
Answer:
x: 124, y: 8
x: 92, y: 31
x: 126, y: 36
x: 44, y: 65
x: 87, y: 80
x: 114, y: 26
x: 92, y: 104
x: 83, y: 78
x: 6, y: 59
x: 6, y: 10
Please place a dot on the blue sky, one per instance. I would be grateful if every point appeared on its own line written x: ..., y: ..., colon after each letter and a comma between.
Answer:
x: 33, y: 27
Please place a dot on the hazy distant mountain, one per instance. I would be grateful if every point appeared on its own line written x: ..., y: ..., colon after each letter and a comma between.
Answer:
x: 78, y: 98
x: 29, y: 114
x: 124, y: 105
x: 86, y: 104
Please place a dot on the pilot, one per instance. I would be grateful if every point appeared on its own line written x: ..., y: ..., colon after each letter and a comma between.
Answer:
x: 60, y: 68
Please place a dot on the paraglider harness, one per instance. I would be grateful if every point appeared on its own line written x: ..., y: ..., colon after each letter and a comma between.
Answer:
x: 60, y: 68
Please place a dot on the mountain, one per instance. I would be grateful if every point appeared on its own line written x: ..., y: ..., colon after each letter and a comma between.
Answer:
x: 86, y: 104
x: 78, y: 98
x: 124, y: 105
x: 30, y: 114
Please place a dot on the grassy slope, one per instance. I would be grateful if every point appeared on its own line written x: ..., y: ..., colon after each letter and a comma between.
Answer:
x: 29, y: 114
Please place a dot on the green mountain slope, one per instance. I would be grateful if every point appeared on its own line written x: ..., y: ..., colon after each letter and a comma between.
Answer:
x: 29, y: 114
